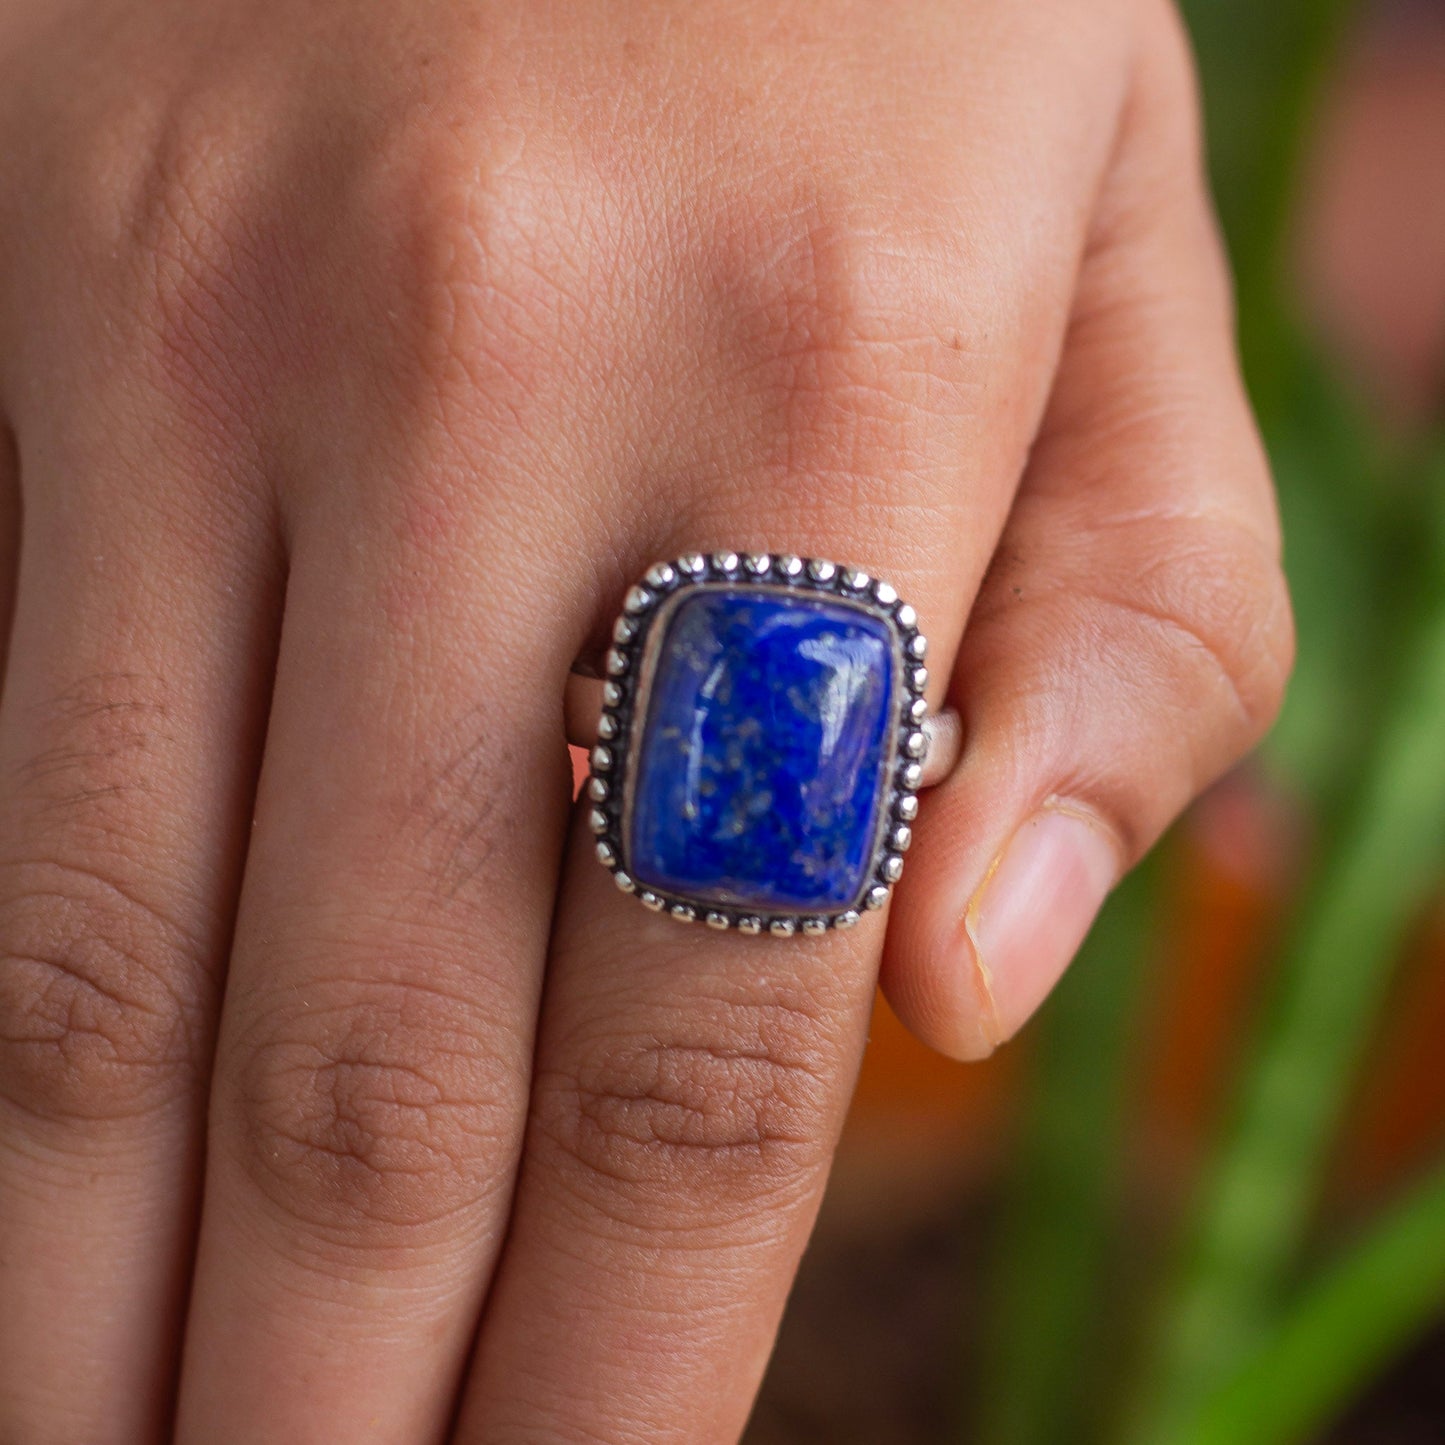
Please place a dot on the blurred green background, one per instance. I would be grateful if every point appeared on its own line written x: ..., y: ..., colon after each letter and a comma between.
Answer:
x: 1202, y: 1200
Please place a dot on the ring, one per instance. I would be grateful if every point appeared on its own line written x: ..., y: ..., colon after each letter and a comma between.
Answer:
x: 761, y: 737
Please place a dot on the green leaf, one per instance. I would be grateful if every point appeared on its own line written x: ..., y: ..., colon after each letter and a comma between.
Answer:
x: 1345, y: 1327
x: 1057, y: 1213
x: 1255, y: 1208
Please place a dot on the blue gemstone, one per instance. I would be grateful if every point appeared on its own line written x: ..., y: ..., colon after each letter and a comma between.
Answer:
x: 766, y: 751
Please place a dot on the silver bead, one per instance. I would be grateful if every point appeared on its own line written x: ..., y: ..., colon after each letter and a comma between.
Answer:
x: 782, y: 928
x: 907, y: 808
x: 607, y: 726
x: 854, y: 579
x: 716, y: 920
x: 815, y: 925
x: 846, y: 920
x: 624, y: 630
x: 692, y: 564
x: 918, y: 709
x: 901, y: 838
x: 916, y: 744
x: 623, y: 881
x: 616, y: 663
x: 683, y: 913
x: 758, y: 563
x: 821, y: 571
x: 906, y: 616
x: 652, y: 901
x: 597, y: 789
x: 601, y: 758
x: 725, y: 562
x: 790, y: 567
x: 911, y: 776
x: 597, y: 820
x: 612, y: 694
x: 750, y: 925
x: 885, y: 593
x: 877, y: 897
x: 638, y: 599
x: 892, y: 868
x: 918, y: 646
x: 918, y: 679
x: 606, y: 853
x: 660, y: 575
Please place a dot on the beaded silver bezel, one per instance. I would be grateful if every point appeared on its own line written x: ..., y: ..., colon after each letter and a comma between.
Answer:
x: 627, y: 672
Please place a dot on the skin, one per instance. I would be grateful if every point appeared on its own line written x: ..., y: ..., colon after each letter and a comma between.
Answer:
x: 354, y: 357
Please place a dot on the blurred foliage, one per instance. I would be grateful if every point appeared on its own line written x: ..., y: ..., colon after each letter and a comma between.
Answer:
x: 1242, y: 1345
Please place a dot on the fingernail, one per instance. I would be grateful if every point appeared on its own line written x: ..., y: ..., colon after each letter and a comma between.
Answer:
x: 1031, y: 914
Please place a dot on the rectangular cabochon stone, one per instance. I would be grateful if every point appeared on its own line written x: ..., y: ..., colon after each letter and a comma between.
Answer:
x: 766, y: 751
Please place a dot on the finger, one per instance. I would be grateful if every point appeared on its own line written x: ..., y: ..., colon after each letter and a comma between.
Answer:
x: 129, y: 735
x: 691, y: 1084
x: 1133, y: 636
x: 376, y: 1047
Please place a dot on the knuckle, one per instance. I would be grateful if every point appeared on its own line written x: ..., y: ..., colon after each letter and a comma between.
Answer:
x: 844, y: 338
x: 492, y: 253
x: 716, y: 1121
x: 826, y: 291
x: 100, y: 1014
x: 1222, y: 597
x: 375, y: 1112
x: 208, y: 277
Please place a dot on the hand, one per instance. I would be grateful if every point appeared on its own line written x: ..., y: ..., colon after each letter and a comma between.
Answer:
x: 356, y: 355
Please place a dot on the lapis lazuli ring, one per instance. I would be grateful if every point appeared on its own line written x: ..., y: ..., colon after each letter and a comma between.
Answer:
x: 761, y: 739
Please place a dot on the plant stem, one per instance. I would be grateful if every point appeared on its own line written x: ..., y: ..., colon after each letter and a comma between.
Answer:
x: 1345, y: 1328
x: 1258, y: 1195
x: 1057, y: 1210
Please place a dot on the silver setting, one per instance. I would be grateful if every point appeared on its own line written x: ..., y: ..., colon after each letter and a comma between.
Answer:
x: 628, y: 669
